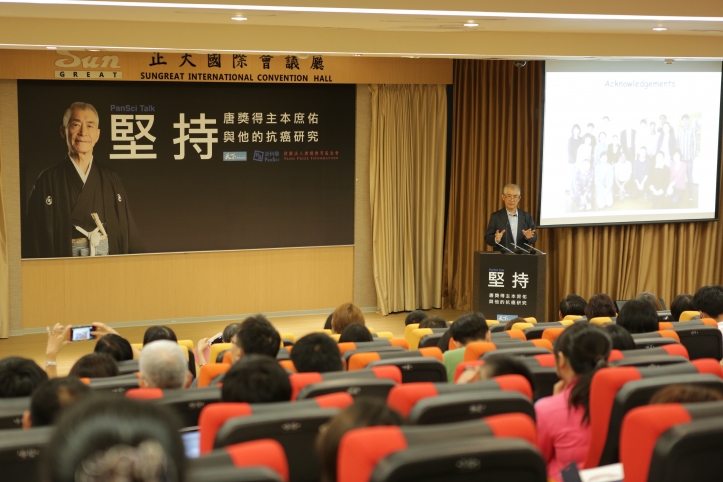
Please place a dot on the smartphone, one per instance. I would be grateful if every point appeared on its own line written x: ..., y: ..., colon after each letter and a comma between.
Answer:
x: 218, y: 339
x: 82, y: 333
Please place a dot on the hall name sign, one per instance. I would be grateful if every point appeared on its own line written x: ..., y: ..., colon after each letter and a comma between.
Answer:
x: 217, y: 67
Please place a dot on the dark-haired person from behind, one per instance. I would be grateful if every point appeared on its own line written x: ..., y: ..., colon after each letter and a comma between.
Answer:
x: 563, y: 419
x: 52, y: 397
x: 434, y: 322
x: 620, y: 337
x: 256, y: 379
x: 600, y: 305
x: 316, y: 352
x: 652, y: 299
x: 415, y: 316
x: 355, y: 333
x: 511, y: 323
x: 257, y: 336
x: 466, y: 329
x: 685, y: 393
x: 158, y: 332
x: 709, y: 301
x: 19, y: 377
x: 112, y: 438
x: 638, y: 316
x: 115, y: 346
x: 681, y: 303
x: 94, y: 365
x: 495, y: 366
x: 572, y: 305
x: 364, y: 412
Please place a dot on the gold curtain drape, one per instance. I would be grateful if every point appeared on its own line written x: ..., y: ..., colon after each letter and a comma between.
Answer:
x: 496, y: 140
x: 407, y: 188
x: 4, y: 272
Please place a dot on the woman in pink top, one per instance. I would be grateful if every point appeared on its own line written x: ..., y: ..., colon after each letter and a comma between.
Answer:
x: 563, y: 420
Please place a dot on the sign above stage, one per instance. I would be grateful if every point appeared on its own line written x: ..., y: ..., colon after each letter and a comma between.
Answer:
x: 220, y: 67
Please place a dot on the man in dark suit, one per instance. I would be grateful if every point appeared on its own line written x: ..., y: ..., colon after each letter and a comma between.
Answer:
x: 510, y: 227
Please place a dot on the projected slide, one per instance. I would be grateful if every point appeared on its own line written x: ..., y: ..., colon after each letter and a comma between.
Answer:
x: 630, y: 142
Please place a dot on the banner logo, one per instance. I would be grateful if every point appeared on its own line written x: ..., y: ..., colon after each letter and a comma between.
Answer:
x: 235, y: 156
x: 69, y: 61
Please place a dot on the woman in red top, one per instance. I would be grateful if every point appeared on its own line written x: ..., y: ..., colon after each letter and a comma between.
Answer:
x: 563, y: 420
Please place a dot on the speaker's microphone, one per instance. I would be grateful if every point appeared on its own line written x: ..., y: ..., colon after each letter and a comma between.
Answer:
x: 535, y: 249
x: 505, y: 248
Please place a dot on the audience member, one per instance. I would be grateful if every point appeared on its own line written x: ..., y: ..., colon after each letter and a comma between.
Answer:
x: 497, y: 365
x: 228, y: 332
x: 433, y: 322
x: 158, y: 332
x: 317, y: 352
x: 709, y: 301
x: 364, y: 412
x: 466, y: 329
x: 563, y: 419
x: 344, y: 316
x: 163, y: 365
x: 204, y: 344
x: 95, y: 365
x: 115, y: 346
x: 256, y: 379
x: 511, y: 323
x: 51, y: 398
x: 443, y: 343
x: 415, y: 316
x: 600, y: 305
x: 256, y: 336
x: 652, y: 299
x: 355, y: 333
x: 19, y: 377
x: 620, y: 337
x: 681, y: 303
x: 327, y: 324
x: 638, y: 316
x: 684, y: 393
x: 572, y: 305
x: 112, y: 438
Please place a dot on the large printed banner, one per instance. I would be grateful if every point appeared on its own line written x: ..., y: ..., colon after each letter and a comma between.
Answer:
x: 173, y: 167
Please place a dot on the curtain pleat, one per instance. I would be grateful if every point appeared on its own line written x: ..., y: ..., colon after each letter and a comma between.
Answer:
x: 407, y: 186
x: 495, y: 141
x: 4, y: 272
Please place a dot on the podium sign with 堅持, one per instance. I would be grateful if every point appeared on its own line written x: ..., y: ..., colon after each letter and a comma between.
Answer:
x: 508, y: 286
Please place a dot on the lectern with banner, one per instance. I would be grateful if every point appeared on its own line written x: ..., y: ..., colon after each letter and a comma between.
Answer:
x: 508, y: 286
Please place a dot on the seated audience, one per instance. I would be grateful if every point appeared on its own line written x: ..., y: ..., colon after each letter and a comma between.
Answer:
x: 415, y: 316
x: 466, y: 329
x: 511, y: 323
x: 112, y: 438
x: 163, y: 365
x: 681, y: 303
x: 317, y: 352
x: 19, y: 377
x: 600, y: 305
x: 443, y: 343
x: 115, y: 346
x: 355, y: 333
x: 572, y: 305
x: 652, y: 299
x: 256, y: 379
x: 638, y: 316
x: 434, y: 322
x: 158, y: 332
x: 563, y: 419
x: 495, y: 366
x: 95, y: 365
x: 364, y: 412
x: 204, y: 344
x: 709, y: 301
x: 327, y: 324
x: 344, y: 316
x: 51, y: 398
x: 621, y: 338
x: 684, y: 393
x: 256, y: 336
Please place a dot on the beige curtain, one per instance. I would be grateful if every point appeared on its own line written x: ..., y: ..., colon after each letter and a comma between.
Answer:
x: 407, y: 184
x: 4, y: 273
x: 496, y: 140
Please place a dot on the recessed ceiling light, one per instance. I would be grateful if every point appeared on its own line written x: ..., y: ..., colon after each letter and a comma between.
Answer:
x: 93, y: 50
x: 357, y: 55
x: 660, y: 29
x: 49, y: 47
x: 239, y: 18
x: 471, y: 24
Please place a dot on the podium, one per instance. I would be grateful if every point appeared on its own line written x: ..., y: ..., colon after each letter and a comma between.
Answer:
x: 508, y: 286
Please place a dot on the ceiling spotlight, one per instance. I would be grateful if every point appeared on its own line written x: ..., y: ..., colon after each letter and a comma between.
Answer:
x: 471, y: 24
x: 357, y: 55
x: 239, y: 18
x: 660, y: 29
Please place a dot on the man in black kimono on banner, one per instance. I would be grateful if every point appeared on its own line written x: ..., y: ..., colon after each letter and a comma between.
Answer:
x: 58, y: 221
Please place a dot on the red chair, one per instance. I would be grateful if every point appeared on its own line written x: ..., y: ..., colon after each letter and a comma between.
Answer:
x: 302, y: 380
x: 667, y: 350
x: 501, y: 335
x: 211, y: 371
x: 214, y: 416
x: 359, y: 361
x: 607, y: 408
x: 186, y: 403
x: 226, y: 462
x: 544, y: 374
x: 645, y: 441
x: 500, y: 444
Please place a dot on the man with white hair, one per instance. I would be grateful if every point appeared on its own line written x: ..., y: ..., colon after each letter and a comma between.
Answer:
x: 510, y: 227
x: 79, y: 206
x: 163, y: 365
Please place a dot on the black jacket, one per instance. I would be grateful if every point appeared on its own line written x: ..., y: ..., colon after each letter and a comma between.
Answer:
x: 499, y: 221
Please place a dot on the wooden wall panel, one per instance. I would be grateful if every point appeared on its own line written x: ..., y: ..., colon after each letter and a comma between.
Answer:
x: 157, y: 287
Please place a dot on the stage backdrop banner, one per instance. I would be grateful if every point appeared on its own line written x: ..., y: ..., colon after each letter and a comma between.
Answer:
x: 189, y: 166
